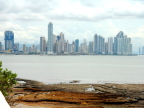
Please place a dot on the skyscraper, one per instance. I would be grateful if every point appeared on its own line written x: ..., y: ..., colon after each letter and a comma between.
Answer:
x: 110, y: 45
x: 90, y: 48
x: 42, y: 44
x: 142, y: 50
x: 84, y: 48
x: 16, y: 47
x: 24, y: 48
x: 122, y: 44
x: 9, y: 40
x: 139, y: 50
x: 0, y: 46
x: 99, y: 44
x: 62, y: 41
x: 50, y: 38
x: 77, y: 45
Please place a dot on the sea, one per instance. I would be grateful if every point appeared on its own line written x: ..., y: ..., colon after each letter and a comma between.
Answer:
x: 87, y: 69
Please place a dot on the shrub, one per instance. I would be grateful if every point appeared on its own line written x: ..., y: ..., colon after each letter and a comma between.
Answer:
x: 7, y: 79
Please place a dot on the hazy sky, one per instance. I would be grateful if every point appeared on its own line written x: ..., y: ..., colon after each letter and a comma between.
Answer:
x: 81, y: 19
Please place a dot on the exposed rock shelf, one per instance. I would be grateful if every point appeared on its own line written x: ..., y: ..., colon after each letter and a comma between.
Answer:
x: 98, y: 95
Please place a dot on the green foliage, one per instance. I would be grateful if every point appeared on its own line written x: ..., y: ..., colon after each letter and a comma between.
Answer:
x: 7, y: 79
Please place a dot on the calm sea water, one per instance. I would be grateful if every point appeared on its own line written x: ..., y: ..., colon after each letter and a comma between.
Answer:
x: 87, y: 69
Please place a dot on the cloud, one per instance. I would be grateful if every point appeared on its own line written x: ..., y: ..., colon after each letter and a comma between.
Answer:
x: 82, y: 10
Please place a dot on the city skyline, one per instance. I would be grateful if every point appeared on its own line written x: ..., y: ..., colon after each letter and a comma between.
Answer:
x: 57, y: 44
x: 79, y: 19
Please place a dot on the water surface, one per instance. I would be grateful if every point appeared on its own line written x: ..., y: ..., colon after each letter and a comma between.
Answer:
x: 88, y: 69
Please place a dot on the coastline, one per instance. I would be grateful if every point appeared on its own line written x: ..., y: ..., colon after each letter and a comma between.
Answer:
x: 79, y: 95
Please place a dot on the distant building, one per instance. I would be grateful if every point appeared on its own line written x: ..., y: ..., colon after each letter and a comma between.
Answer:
x: 42, y: 44
x: 77, y: 45
x: 0, y: 46
x: 90, y: 47
x: 106, y: 47
x: 16, y: 47
x: 110, y: 45
x: 9, y: 40
x: 24, y: 48
x: 139, y: 50
x: 122, y: 44
x: 50, y: 38
x: 142, y: 50
x: 66, y: 47
x: 99, y: 44
x: 33, y: 49
x: 84, y: 47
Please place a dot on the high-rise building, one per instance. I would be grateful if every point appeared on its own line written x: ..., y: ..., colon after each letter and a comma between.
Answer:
x: 118, y: 42
x: 66, y: 46
x: 9, y: 40
x: 122, y: 44
x: 90, y: 48
x: 24, y: 48
x: 50, y: 38
x: 42, y: 44
x: 142, y: 50
x: 16, y: 47
x: 99, y: 44
x: 139, y: 50
x: 84, y: 48
x: 33, y: 49
x: 106, y: 47
x: 0, y: 46
x: 62, y: 41
x: 110, y: 45
x: 54, y: 43
x: 77, y: 45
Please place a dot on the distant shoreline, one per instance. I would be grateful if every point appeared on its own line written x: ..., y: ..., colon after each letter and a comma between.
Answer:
x: 70, y: 54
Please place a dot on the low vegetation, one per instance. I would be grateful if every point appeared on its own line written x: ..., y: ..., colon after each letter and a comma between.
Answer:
x: 7, y: 80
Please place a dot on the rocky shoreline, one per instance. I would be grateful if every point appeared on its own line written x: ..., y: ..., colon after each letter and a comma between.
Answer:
x: 108, y: 95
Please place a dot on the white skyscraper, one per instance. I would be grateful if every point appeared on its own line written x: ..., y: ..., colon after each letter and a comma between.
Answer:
x: 50, y: 38
x: 122, y: 44
x: 110, y: 45
x: 62, y: 41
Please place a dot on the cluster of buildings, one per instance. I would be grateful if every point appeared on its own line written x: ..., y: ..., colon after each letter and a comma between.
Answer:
x: 56, y: 44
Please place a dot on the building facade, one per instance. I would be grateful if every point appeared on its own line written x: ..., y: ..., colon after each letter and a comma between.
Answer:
x: 122, y: 44
x: 24, y: 48
x: 99, y: 44
x: 110, y: 45
x: 16, y: 47
x: 42, y: 44
x: 0, y: 46
x: 142, y: 50
x: 90, y: 47
x: 9, y: 40
x: 50, y: 38
x: 77, y: 45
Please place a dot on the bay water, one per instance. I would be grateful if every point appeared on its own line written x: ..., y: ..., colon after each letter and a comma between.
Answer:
x: 86, y: 68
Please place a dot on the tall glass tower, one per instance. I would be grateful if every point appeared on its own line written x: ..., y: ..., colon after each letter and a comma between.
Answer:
x: 77, y: 45
x: 50, y: 38
x: 9, y: 40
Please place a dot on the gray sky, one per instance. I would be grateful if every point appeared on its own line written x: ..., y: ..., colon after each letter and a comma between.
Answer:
x: 75, y: 18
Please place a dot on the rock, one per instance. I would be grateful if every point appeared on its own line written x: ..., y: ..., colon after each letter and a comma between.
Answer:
x: 141, y: 102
